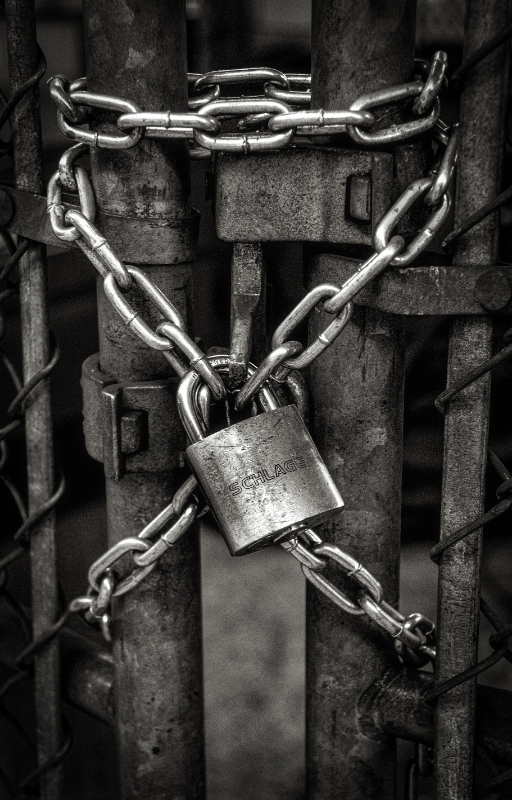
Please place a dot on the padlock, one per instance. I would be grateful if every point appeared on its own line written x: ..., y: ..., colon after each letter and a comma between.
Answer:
x: 263, y: 478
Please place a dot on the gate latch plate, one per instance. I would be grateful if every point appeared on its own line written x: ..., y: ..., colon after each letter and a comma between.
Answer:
x: 312, y: 194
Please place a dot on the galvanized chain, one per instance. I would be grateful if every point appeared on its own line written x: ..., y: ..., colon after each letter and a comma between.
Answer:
x: 414, y: 635
x: 389, y: 251
x: 77, y: 226
x: 147, y: 548
x: 272, y: 114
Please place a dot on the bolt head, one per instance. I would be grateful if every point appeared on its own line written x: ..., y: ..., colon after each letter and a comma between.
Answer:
x: 493, y: 290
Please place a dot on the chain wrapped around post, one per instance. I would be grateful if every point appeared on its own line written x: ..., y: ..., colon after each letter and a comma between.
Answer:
x: 413, y: 634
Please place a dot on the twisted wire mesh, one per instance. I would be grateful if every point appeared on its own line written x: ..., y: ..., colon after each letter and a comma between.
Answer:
x: 21, y: 668
x: 499, y: 641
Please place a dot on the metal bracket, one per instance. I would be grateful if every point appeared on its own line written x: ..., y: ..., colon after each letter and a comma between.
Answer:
x: 248, y: 285
x: 137, y: 240
x: 312, y: 194
x: 131, y: 427
x: 435, y: 290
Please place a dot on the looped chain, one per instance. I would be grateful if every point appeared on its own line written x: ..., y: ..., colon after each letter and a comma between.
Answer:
x: 67, y: 165
x: 398, y: 132
x: 443, y: 171
x: 423, y: 238
x: 276, y: 365
x: 272, y: 118
x: 233, y: 143
x: 435, y: 78
x: 264, y: 123
x: 170, y: 336
x: 300, y: 94
x: 56, y: 209
x: 106, y: 140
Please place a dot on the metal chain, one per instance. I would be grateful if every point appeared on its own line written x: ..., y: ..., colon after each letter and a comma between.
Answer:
x: 201, y: 124
x: 390, y: 251
x: 414, y: 635
x: 78, y: 226
x: 146, y: 551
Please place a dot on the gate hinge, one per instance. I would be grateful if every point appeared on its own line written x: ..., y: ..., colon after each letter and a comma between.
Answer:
x: 131, y: 427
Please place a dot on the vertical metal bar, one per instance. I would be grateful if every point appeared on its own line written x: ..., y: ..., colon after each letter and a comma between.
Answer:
x: 137, y: 50
x: 357, y: 390
x: 466, y: 424
x: 23, y: 60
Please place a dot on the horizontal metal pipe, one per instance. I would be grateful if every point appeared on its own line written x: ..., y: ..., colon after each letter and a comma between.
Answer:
x: 87, y: 672
x: 395, y: 706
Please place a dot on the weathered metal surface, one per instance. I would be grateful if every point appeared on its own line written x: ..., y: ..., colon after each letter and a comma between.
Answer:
x: 248, y: 306
x: 299, y: 195
x: 87, y: 673
x: 23, y: 60
x: 29, y: 216
x: 436, y: 290
x: 493, y: 289
x: 153, y: 240
x: 130, y: 427
x: 395, y: 705
x: 124, y: 57
x: 466, y: 426
x: 157, y: 627
x: 357, y: 389
x: 148, y: 241
x: 263, y: 477
x: 358, y: 47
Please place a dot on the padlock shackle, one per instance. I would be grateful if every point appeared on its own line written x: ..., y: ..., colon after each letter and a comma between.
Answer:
x: 189, y: 386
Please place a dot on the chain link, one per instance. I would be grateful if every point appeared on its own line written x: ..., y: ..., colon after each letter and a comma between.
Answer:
x: 414, y: 635
x: 423, y: 238
x: 104, y: 584
x: 276, y: 123
x: 338, y: 303
x: 201, y: 124
x: 170, y: 336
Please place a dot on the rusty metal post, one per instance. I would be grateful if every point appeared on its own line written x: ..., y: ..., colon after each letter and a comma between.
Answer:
x: 137, y: 51
x: 466, y: 425
x: 23, y: 61
x: 357, y: 391
x: 395, y: 705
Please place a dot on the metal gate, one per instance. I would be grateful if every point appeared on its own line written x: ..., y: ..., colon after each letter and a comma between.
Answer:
x: 315, y: 159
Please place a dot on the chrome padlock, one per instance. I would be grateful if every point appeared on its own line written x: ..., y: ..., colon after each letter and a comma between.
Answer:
x: 263, y: 477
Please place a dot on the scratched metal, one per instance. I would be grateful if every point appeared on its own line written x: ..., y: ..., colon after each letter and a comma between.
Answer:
x: 466, y: 426
x: 357, y: 390
x: 157, y: 627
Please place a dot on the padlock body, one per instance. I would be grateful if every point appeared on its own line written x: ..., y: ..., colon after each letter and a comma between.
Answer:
x: 263, y: 478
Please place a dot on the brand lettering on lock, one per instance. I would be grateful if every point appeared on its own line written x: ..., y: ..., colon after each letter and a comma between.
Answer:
x: 253, y: 480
